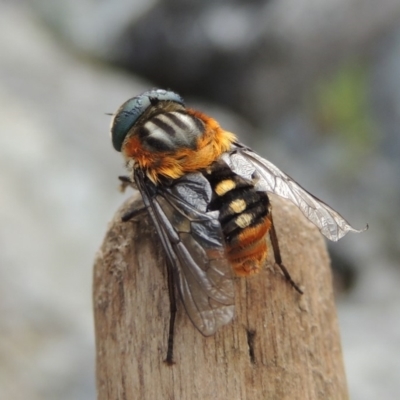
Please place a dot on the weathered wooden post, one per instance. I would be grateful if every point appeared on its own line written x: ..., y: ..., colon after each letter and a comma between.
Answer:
x: 280, y: 345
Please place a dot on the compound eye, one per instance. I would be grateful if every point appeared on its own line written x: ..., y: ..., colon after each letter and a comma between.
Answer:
x: 131, y: 111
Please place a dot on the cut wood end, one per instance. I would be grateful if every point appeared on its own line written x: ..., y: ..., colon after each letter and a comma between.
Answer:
x: 279, y: 345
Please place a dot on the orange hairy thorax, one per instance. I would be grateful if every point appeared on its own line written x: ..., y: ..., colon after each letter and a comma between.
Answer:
x: 210, y: 146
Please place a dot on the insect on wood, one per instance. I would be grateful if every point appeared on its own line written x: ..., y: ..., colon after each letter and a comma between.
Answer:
x: 207, y: 196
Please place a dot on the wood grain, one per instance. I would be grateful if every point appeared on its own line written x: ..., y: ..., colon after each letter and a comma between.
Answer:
x: 280, y: 345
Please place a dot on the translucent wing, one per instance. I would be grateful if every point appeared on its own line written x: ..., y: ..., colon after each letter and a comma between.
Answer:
x: 269, y: 178
x: 193, y: 241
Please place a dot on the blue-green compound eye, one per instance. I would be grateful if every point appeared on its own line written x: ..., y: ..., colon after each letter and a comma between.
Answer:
x: 133, y: 109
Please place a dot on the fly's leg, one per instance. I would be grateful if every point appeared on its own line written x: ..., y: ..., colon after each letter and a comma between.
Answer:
x: 151, y: 208
x: 134, y: 212
x: 128, y: 215
x: 125, y: 181
x: 277, y: 255
x: 172, y: 305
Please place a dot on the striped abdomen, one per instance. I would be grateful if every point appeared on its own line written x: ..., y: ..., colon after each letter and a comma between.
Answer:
x: 243, y: 217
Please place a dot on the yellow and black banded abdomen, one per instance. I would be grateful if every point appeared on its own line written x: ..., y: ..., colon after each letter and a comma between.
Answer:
x: 243, y: 216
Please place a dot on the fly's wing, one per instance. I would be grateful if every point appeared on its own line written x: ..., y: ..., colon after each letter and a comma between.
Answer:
x: 194, y: 245
x: 269, y: 178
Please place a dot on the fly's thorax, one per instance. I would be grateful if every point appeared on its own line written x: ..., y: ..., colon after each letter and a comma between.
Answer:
x: 170, y: 132
x: 174, y: 141
x: 164, y: 127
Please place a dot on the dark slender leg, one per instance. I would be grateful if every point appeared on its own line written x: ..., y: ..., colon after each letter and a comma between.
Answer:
x: 148, y: 206
x: 125, y: 179
x: 172, y: 304
x: 125, y: 182
x: 132, y: 213
x: 277, y: 254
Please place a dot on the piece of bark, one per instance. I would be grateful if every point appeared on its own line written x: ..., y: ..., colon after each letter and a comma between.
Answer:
x: 280, y: 344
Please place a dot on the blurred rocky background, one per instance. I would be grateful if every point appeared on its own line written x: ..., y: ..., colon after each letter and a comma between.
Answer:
x: 314, y: 86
